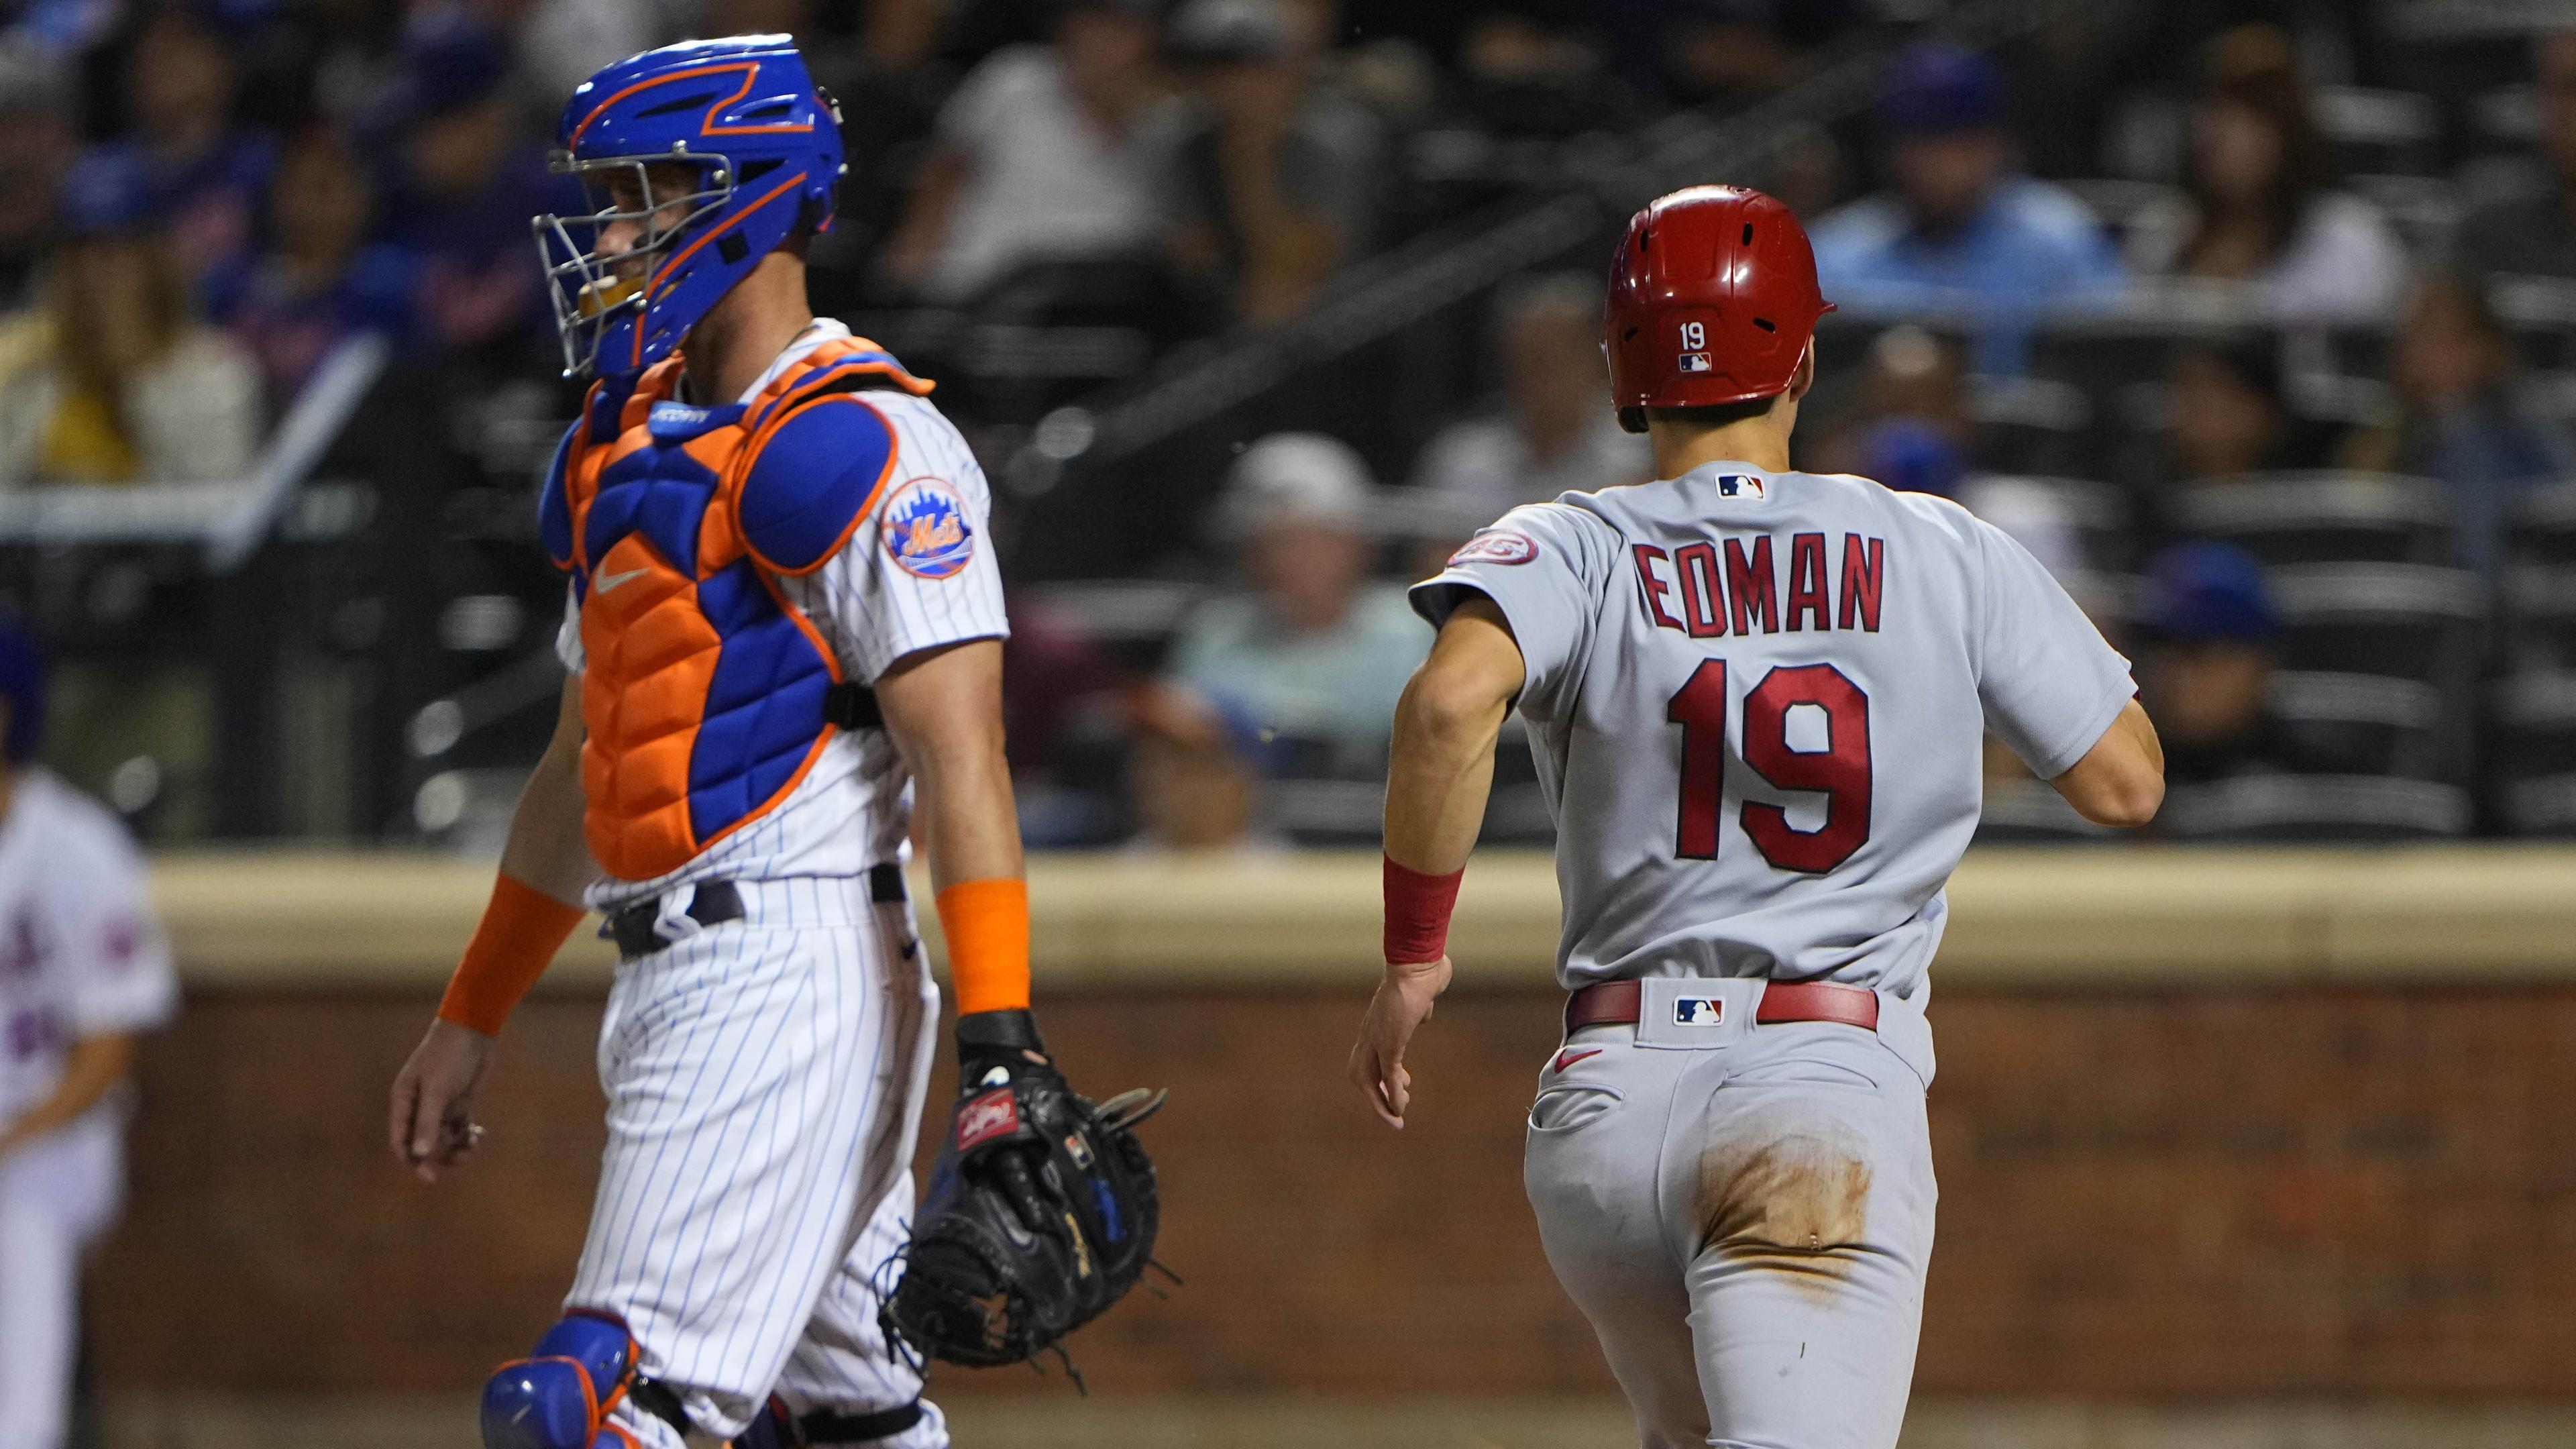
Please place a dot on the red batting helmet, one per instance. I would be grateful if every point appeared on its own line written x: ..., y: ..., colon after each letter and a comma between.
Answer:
x: 1713, y: 300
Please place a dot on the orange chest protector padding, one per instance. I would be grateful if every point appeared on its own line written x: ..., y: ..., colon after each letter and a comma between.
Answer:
x: 707, y: 693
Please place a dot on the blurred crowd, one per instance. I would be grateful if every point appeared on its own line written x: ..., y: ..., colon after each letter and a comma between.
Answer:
x: 2137, y: 251
x: 2283, y: 405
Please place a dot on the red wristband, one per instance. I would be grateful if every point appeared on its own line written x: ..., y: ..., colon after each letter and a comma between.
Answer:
x: 1417, y: 913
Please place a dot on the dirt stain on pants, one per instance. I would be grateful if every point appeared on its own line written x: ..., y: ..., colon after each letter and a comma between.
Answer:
x: 1796, y: 1202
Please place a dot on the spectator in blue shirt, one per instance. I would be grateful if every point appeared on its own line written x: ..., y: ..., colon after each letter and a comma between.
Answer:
x: 319, y: 281
x: 1962, y: 233
x: 465, y: 182
x: 1314, y: 651
x: 209, y: 176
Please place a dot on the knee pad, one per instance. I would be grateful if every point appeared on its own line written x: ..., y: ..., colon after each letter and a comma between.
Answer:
x: 560, y: 1395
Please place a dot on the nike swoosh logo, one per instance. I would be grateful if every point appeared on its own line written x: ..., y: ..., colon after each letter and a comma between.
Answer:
x: 606, y: 582
x: 1570, y: 1056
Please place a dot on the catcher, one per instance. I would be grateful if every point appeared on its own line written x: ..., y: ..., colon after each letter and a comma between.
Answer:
x: 783, y: 624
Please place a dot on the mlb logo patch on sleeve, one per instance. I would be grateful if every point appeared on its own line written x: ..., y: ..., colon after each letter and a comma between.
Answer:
x: 1699, y: 1011
x: 1497, y: 546
x: 926, y: 532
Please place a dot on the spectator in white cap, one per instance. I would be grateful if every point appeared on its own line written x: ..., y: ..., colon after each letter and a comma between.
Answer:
x: 1314, y: 650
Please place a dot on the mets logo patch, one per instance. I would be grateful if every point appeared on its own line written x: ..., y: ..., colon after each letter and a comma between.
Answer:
x: 1497, y: 546
x: 1699, y: 1011
x: 926, y: 532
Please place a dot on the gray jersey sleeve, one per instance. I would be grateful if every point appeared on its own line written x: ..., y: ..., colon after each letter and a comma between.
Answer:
x: 1544, y: 565
x: 2049, y: 681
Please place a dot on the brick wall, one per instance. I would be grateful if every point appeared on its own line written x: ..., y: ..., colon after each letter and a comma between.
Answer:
x: 2282, y: 1193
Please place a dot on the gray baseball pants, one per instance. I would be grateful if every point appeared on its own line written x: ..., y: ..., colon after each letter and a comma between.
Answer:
x: 1745, y: 1214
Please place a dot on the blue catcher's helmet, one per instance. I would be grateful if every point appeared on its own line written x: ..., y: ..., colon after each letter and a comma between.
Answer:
x: 759, y: 146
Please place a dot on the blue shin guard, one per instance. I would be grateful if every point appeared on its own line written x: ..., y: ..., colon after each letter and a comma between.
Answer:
x: 559, y: 1396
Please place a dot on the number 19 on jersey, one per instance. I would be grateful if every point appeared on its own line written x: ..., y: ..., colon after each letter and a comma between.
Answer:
x: 1840, y: 771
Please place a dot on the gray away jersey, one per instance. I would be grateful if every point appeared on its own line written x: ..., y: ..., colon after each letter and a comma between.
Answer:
x: 1758, y: 701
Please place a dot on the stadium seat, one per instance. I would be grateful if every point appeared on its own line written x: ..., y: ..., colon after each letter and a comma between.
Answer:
x: 2534, y: 751
x: 2032, y: 425
x: 2403, y: 621
x: 2320, y: 517
x: 2028, y: 812
x: 1516, y: 813
x: 2538, y: 608
x: 2541, y: 313
x: 2425, y: 210
x: 2385, y: 131
x: 2531, y: 749
x: 2367, y: 723
x: 2316, y: 807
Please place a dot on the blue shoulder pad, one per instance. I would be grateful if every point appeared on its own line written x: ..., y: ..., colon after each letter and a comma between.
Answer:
x: 554, y: 505
x: 812, y: 481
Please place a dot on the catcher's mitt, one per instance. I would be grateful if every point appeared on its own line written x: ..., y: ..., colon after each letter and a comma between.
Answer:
x: 1041, y: 1210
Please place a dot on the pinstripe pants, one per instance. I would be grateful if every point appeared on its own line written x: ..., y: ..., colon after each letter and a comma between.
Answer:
x: 57, y: 1194
x: 765, y: 1081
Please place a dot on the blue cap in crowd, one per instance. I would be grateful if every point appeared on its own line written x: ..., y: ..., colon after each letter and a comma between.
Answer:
x: 107, y: 191
x: 1934, y: 89
x: 2209, y: 593
x: 22, y: 685
x: 1911, y: 456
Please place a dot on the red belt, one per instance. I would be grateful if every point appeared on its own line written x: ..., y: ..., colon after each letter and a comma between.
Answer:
x: 1617, y: 1003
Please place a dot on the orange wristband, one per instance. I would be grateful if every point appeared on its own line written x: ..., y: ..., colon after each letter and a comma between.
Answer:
x: 987, y: 924
x: 522, y: 929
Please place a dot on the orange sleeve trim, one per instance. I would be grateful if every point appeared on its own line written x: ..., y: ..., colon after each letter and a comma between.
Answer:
x: 987, y: 924
x: 522, y: 929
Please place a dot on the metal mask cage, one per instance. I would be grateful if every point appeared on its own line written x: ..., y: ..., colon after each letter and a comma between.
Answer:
x: 589, y: 290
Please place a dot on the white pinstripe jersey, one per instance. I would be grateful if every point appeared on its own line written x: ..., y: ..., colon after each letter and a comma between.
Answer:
x: 81, y: 953
x: 854, y: 808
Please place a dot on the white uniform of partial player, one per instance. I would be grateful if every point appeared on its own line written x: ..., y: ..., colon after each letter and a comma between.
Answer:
x: 765, y: 1078
x: 80, y: 955
x: 1757, y: 702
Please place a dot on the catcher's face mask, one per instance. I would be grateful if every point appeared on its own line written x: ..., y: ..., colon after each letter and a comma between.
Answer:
x: 604, y: 270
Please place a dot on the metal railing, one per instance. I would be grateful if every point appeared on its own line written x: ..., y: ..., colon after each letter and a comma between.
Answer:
x: 1385, y: 294
x: 228, y: 519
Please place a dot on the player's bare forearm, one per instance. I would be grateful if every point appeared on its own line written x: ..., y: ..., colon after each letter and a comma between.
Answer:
x: 2121, y: 780
x: 546, y: 849
x: 1442, y: 765
x: 92, y: 1068
x: 944, y: 709
x: 1437, y: 779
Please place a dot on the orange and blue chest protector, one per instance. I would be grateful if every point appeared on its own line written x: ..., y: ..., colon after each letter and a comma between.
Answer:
x: 707, y: 693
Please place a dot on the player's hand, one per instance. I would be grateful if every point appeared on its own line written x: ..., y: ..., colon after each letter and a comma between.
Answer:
x: 1403, y: 1002
x: 433, y: 1109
